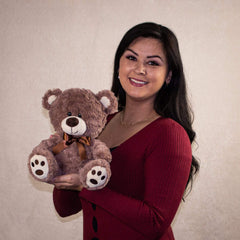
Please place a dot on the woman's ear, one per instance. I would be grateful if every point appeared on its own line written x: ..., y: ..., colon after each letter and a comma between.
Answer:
x: 169, y: 77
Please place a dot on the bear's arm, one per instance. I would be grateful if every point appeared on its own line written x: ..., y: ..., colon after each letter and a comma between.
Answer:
x: 99, y: 150
x: 49, y: 143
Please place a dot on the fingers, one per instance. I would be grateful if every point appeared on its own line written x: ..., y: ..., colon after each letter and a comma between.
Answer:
x: 69, y: 181
x: 64, y: 179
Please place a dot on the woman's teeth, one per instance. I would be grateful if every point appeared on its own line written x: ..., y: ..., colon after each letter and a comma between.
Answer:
x: 138, y: 81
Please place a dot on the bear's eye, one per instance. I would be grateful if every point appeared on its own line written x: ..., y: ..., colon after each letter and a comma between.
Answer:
x: 69, y: 114
x: 79, y: 115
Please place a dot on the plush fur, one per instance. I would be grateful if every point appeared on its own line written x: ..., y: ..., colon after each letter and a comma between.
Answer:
x: 77, y: 112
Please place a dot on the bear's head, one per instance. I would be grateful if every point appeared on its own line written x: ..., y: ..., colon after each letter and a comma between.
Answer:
x: 79, y: 112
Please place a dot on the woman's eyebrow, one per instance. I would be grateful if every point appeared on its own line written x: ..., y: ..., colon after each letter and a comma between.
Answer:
x: 154, y: 56
x: 132, y: 51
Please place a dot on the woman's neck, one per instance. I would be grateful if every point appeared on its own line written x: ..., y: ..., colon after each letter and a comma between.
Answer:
x: 138, y: 112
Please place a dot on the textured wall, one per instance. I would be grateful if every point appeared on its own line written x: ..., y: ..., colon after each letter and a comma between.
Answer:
x: 66, y: 43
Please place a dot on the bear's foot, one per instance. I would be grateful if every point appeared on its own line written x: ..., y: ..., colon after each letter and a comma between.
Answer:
x: 96, y: 177
x: 39, y: 166
x: 97, y: 174
x: 43, y: 167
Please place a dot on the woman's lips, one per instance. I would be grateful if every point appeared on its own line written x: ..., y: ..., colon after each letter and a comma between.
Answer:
x: 137, y: 82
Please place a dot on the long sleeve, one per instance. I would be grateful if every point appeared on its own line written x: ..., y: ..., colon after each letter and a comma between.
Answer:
x: 166, y: 166
x: 66, y: 202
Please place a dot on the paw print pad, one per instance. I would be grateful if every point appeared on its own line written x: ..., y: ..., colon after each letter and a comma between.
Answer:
x: 96, y: 177
x: 39, y: 166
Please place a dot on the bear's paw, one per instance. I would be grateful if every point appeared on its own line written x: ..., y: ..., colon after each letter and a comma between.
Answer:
x: 39, y: 166
x: 96, y: 177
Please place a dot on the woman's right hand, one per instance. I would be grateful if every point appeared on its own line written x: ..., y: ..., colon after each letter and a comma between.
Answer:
x: 68, y: 182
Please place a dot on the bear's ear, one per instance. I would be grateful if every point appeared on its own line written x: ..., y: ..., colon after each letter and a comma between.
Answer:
x: 108, y: 101
x: 49, y: 97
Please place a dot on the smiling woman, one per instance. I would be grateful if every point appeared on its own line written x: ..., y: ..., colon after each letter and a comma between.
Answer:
x: 143, y: 69
x: 150, y: 139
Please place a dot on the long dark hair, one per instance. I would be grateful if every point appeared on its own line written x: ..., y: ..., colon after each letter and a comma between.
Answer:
x: 171, y: 100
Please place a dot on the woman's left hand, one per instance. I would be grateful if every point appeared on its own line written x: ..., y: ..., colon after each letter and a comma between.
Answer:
x: 68, y: 182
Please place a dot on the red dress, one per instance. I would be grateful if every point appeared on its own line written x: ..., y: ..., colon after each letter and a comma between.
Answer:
x: 149, y: 174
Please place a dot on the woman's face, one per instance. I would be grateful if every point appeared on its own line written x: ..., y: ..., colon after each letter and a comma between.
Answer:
x: 143, y: 69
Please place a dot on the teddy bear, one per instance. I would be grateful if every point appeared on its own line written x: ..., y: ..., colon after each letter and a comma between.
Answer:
x: 78, y: 116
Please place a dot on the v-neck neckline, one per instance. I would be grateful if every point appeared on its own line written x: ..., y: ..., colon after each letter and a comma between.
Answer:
x: 135, y: 134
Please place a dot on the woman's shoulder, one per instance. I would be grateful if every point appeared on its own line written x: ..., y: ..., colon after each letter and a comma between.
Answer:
x: 167, y: 127
x: 167, y: 135
x: 166, y: 123
x: 109, y: 117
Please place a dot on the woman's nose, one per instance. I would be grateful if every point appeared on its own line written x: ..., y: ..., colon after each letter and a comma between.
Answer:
x: 140, y: 68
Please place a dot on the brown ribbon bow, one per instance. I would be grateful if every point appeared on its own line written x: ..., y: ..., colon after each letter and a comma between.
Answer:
x: 68, y: 140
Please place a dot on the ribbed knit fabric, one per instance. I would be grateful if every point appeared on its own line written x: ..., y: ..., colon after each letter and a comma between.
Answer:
x: 149, y: 174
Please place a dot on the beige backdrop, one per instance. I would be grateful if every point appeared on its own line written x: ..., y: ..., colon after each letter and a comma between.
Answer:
x: 65, y: 43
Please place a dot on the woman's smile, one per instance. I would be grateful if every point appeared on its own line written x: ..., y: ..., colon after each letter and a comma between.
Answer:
x: 143, y: 69
x: 137, y: 82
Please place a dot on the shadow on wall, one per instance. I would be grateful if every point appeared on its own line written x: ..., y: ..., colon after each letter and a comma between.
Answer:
x: 45, y: 187
x: 40, y: 186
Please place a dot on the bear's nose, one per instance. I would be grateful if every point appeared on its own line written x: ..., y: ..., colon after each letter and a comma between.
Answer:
x: 72, y: 122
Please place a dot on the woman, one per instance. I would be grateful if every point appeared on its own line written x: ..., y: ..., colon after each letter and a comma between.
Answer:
x: 150, y: 139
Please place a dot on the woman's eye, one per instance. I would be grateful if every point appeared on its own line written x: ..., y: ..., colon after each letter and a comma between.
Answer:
x: 153, y: 63
x: 132, y: 58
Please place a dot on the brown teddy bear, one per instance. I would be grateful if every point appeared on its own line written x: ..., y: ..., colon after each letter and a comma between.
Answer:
x: 78, y: 117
